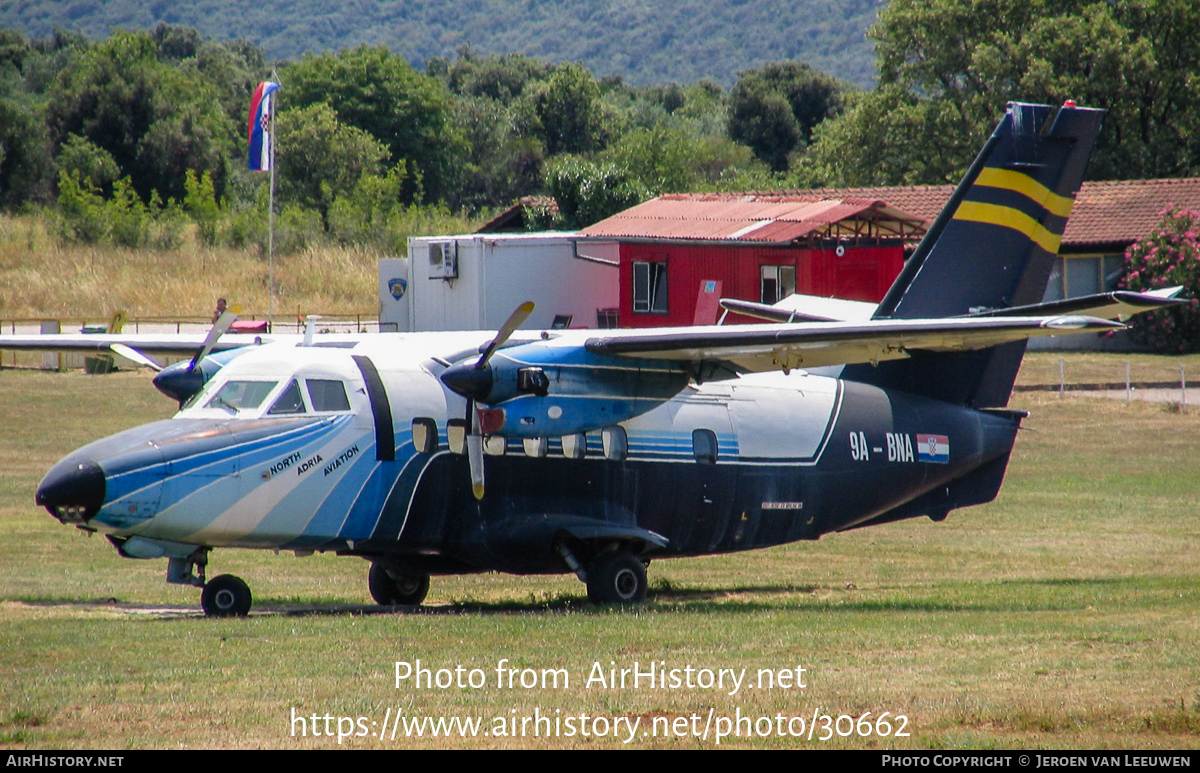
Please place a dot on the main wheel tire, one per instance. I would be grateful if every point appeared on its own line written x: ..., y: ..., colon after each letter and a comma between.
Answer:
x: 389, y: 588
x: 226, y: 596
x: 617, y: 577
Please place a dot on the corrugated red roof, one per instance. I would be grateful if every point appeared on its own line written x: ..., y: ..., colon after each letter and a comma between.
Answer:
x: 772, y: 218
x: 1116, y: 212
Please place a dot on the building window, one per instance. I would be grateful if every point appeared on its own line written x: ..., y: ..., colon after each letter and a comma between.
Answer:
x: 778, y: 282
x: 1076, y: 276
x: 649, y: 287
x: 608, y: 319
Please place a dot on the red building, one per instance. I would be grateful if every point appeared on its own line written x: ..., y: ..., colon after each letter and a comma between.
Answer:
x: 680, y: 253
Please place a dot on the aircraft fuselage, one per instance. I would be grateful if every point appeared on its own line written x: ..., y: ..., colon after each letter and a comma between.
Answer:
x: 722, y: 466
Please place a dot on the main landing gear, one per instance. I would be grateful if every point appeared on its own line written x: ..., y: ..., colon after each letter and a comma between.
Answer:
x: 390, y: 586
x: 616, y: 577
x: 226, y: 596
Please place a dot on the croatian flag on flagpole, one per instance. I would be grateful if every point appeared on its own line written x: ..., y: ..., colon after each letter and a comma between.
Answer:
x: 260, y: 127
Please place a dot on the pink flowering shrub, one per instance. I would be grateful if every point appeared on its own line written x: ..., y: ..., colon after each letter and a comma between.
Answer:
x: 1168, y: 256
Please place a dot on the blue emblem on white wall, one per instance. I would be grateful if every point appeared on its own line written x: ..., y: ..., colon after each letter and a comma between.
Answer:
x: 397, y: 287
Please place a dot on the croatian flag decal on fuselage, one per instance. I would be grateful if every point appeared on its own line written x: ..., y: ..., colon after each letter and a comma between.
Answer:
x: 933, y: 448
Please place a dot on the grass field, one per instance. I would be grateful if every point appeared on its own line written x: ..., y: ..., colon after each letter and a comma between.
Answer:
x: 1064, y: 615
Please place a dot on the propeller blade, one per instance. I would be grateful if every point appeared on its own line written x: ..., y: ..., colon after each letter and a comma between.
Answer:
x: 129, y: 353
x: 514, y: 321
x: 475, y: 453
x: 227, y: 318
x: 474, y: 381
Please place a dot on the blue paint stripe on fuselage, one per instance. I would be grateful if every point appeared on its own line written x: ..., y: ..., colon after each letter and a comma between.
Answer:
x: 130, y: 482
x: 223, y: 491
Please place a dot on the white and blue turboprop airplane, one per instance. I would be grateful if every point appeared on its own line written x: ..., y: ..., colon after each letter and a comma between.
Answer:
x: 603, y: 450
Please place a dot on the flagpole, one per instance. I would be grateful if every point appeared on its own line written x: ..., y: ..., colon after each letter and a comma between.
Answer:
x: 271, y: 215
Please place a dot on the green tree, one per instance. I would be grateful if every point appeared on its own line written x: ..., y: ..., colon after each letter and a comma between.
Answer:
x: 502, y: 77
x: 500, y: 164
x: 25, y: 160
x: 669, y: 159
x: 862, y: 147
x: 87, y: 162
x: 947, y: 68
x: 201, y: 205
x: 153, y: 119
x: 320, y: 158
x: 588, y: 192
x: 775, y: 108
x: 569, y: 113
x: 378, y: 92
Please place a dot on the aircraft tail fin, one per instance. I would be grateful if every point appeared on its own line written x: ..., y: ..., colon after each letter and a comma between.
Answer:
x: 992, y: 247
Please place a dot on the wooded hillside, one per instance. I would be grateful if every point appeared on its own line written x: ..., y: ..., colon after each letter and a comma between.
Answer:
x: 643, y: 42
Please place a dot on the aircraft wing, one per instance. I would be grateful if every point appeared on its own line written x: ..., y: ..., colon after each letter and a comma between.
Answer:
x: 757, y: 348
x: 167, y: 345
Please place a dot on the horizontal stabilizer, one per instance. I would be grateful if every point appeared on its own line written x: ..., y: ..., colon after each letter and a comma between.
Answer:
x: 803, y: 308
x: 1120, y: 304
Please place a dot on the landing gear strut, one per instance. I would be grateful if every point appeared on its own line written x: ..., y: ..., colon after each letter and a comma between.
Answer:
x: 226, y: 596
x: 391, y: 586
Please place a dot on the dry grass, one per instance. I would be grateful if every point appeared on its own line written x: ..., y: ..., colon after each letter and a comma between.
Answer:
x: 1106, y: 368
x: 40, y: 277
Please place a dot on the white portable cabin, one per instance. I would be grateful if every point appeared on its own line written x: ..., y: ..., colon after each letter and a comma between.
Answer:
x: 475, y: 281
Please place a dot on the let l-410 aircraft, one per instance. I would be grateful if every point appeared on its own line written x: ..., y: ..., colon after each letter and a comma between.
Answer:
x: 593, y: 452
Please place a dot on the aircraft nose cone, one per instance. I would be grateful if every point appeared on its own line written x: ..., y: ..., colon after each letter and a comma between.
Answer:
x: 469, y: 381
x: 72, y: 491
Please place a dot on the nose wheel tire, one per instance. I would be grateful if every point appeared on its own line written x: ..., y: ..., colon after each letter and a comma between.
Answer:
x: 392, y: 587
x: 226, y: 596
x: 616, y: 577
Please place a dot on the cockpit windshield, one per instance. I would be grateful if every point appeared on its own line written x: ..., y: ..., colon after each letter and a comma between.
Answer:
x: 237, y: 396
x: 252, y: 397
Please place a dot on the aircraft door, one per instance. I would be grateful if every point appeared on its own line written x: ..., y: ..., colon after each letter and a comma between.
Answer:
x: 704, y: 483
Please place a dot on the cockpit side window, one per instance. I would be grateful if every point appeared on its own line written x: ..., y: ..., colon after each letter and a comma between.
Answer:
x: 236, y: 396
x: 327, y: 394
x: 289, y: 402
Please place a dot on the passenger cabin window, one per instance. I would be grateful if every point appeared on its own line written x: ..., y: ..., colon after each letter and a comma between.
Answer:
x: 615, y: 443
x: 327, y: 394
x: 425, y: 435
x: 290, y: 402
x: 649, y: 287
x: 704, y: 446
